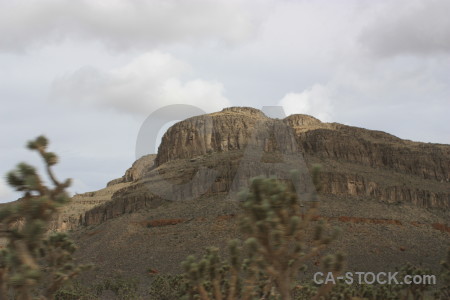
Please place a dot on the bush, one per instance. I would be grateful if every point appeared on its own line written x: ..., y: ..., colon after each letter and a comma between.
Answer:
x: 34, y: 262
x: 121, y: 288
x: 166, y: 287
x: 342, y: 291
x: 265, y: 265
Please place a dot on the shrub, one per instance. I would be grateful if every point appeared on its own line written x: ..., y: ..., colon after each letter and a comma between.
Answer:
x: 166, y: 287
x: 266, y: 265
x: 122, y: 288
x: 342, y: 291
x: 34, y: 262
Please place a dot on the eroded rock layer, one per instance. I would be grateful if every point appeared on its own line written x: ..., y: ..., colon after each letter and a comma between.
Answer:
x: 217, y: 153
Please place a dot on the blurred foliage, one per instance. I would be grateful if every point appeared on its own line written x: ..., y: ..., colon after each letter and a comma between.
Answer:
x: 34, y: 264
x: 276, y: 247
x: 115, y: 287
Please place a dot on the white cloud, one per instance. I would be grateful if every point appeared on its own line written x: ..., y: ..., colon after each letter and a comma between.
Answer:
x: 315, y: 101
x: 419, y: 27
x: 150, y: 81
x: 389, y: 95
x: 122, y: 24
x: 313, y: 49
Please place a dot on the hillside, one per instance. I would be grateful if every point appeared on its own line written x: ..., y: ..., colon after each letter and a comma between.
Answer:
x: 390, y: 196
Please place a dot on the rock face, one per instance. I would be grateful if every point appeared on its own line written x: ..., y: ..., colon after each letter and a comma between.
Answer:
x: 225, y: 131
x: 137, y: 170
x: 74, y: 214
x: 377, y: 150
x: 219, y: 152
x: 373, y: 151
x: 231, y: 130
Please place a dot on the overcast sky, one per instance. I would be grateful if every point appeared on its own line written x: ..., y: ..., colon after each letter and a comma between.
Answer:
x: 87, y: 73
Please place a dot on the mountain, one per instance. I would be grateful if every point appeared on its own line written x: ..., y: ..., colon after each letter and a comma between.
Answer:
x: 390, y: 196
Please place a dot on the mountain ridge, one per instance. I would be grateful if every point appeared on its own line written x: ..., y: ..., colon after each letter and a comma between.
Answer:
x: 390, y: 196
x: 352, y: 159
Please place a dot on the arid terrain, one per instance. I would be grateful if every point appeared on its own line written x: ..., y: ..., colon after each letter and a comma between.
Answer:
x: 391, y: 197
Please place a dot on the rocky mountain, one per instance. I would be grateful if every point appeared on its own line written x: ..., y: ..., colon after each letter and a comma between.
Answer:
x: 391, y: 196
x: 355, y: 162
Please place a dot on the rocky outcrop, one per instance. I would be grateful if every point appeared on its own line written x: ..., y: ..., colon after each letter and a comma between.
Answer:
x: 87, y: 205
x: 364, y: 186
x: 232, y: 129
x: 225, y: 131
x: 218, y: 153
x: 136, y: 171
x: 119, y: 206
x: 365, y: 152
x: 377, y: 150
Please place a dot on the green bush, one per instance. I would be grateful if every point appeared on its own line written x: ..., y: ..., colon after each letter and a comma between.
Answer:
x: 174, y: 287
x: 342, y: 291
x: 34, y: 262
x: 165, y: 287
x: 122, y: 288
x: 267, y: 264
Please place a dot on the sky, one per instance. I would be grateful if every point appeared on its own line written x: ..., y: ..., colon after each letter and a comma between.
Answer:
x: 87, y: 73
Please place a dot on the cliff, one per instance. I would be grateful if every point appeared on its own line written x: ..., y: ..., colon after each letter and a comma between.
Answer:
x: 217, y: 153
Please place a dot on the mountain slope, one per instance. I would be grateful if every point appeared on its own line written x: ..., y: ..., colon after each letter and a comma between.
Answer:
x: 391, y: 196
x: 355, y: 162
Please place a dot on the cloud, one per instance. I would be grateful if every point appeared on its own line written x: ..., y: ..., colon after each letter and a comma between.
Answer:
x: 150, y: 81
x: 420, y: 27
x: 123, y: 23
x: 382, y: 95
x: 315, y: 101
